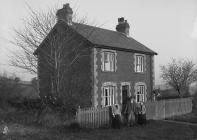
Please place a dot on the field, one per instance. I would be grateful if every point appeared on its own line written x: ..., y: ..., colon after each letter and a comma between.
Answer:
x: 154, y: 130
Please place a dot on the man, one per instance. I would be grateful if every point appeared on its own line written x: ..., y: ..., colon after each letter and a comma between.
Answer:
x: 130, y: 110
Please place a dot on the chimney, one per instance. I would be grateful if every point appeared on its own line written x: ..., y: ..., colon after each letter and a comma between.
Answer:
x: 123, y: 26
x: 65, y: 14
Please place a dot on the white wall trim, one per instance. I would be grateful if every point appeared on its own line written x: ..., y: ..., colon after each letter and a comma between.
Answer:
x: 95, y: 78
x: 153, y: 71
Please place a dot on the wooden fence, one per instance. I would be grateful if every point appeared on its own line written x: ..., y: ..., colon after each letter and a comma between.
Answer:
x: 93, y: 117
x: 100, y: 117
x: 167, y: 108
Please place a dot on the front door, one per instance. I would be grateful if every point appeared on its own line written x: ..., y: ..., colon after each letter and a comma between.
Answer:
x: 125, y: 94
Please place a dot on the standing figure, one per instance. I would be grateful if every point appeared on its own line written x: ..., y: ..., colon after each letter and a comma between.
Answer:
x: 117, y: 116
x: 142, y: 114
x: 133, y: 110
x: 129, y: 111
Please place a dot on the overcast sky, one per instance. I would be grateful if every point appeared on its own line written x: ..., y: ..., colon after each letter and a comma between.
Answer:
x: 168, y: 27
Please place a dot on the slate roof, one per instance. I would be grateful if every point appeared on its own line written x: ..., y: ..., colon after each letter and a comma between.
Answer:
x: 109, y: 38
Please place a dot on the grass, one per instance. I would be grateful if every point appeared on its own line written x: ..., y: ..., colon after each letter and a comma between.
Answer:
x: 22, y: 127
x: 191, y: 118
x: 154, y: 130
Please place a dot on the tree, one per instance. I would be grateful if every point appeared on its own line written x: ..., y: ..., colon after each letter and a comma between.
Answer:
x: 38, y: 27
x: 179, y: 74
x: 27, y: 39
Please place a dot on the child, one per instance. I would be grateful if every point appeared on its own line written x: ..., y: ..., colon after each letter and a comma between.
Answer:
x: 117, y: 115
x: 142, y: 114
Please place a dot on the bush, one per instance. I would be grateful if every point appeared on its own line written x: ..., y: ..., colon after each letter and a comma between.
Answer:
x: 74, y: 127
x: 9, y: 87
x: 194, y: 102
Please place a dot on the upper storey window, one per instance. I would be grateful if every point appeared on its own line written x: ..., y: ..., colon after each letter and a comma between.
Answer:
x: 108, y: 61
x: 139, y: 63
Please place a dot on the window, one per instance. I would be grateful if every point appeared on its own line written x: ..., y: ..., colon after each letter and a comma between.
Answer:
x: 139, y: 63
x: 140, y: 94
x: 109, y: 61
x: 109, y: 95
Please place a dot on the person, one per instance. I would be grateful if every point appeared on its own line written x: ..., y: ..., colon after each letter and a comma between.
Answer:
x: 117, y: 116
x: 142, y: 114
x: 129, y: 111
x: 133, y: 110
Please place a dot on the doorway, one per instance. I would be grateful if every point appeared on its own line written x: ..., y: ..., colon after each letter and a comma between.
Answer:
x: 125, y: 94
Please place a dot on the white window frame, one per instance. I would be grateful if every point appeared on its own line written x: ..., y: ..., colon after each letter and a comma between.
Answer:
x: 108, y: 60
x: 140, y: 92
x: 111, y: 95
x: 109, y: 98
x: 139, y: 62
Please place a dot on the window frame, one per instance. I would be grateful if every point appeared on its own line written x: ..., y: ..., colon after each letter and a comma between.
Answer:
x: 110, y: 97
x: 140, y: 92
x: 112, y: 90
x: 110, y: 61
x: 140, y: 63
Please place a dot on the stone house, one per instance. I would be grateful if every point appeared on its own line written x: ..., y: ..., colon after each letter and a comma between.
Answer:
x: 116, y: 66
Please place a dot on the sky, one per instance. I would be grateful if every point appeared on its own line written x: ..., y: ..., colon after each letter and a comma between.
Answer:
x: 168, y: 27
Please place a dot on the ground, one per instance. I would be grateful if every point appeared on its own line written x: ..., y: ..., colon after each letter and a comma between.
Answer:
x: 154, y: 130
x: 21, y: 125
x: 191, y: 118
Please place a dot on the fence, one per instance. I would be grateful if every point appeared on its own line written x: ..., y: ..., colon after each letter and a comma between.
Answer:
x: 167, y: 108
x: 100, y: 117
x: 93, y: 117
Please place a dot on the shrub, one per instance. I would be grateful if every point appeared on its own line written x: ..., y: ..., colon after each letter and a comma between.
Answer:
x: 9, y: 87
x: 74, y: 127
x: 194, y: 102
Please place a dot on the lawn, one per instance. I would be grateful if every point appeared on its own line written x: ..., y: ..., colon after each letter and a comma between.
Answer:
x: 154, y: 130
x: 191, y: 118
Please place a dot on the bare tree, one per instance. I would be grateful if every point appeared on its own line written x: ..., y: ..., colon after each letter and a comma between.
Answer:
x: 36, y: 27
x: 58, y: 58
x: 179, y: 74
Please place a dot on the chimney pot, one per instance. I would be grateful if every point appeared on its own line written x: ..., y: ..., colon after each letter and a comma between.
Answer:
x: 65, y: 14
x: 123, y: 26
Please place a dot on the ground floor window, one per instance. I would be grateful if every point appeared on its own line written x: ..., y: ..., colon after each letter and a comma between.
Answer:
x: 108, y: 95
x: 140, y: 93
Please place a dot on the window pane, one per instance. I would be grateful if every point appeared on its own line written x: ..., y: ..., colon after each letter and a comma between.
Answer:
x: 112, y: 62
x: 107, y: 66
x: 106, y: 56
x: 109, y: 61
x: 139, y: 63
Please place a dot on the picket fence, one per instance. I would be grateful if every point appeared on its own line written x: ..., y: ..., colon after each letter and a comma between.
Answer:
x: 158, y: 110
x: 155, y: 110
x: 93, y: 117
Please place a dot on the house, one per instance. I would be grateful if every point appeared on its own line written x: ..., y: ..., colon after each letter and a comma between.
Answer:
x: 113, y: 67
